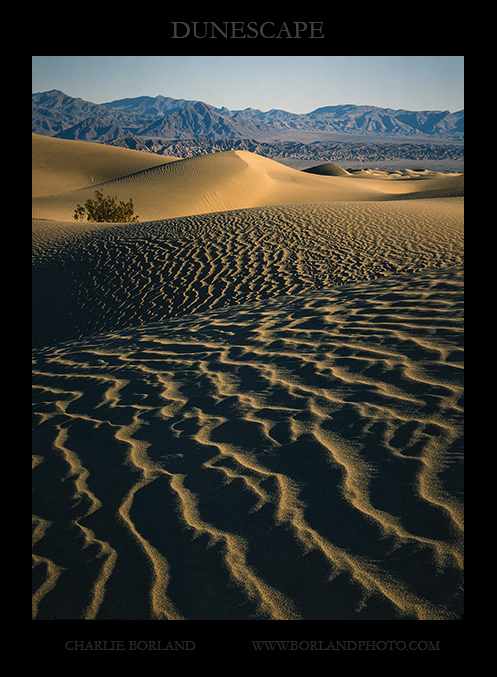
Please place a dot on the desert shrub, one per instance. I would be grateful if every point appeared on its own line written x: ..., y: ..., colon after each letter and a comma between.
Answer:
x: 105, y: 208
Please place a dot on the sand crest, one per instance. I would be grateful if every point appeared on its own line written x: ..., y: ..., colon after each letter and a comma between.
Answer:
x: 247, y: 407
x: 59, y: 165
x: 225, y: 181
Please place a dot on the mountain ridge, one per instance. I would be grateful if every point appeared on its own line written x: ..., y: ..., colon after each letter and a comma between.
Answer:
x: 57, y: 114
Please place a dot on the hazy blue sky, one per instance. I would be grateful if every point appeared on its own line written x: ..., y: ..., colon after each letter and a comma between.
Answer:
x: 294, y: 83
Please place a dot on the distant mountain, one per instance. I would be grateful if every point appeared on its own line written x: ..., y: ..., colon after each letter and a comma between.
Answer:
x: 201, y: 121
x: 368, y: 121
x: 150, y: 105
x: 98, y: 129
x: 388, y: 155
x: 56, y: 114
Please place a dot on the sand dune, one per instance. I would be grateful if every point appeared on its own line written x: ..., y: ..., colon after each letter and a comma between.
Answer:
x: 232, y: 180
x: 59, y: 165
x: 298, y: 458
x: 327, y: 169
x: 248, y: 406
x: 96, y: 278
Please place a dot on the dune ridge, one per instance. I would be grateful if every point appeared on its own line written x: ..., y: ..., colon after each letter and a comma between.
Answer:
x: 59, y: 165
x: 233, y: 180
x: 250, y: 405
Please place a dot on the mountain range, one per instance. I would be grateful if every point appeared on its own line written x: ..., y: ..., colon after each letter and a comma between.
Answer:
x: 57, y: 114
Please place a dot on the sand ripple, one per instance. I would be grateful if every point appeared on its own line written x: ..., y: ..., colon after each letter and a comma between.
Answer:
x: 94, y: 278
x: 292, y: 458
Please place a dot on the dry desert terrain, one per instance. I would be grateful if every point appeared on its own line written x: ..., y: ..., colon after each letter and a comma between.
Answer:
x: 248, y: 405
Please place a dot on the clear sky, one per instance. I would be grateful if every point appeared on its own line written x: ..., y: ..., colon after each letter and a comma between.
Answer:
x: 298, y: 84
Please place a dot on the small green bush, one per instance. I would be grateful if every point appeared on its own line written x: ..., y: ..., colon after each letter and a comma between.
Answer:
x: 105, y: 208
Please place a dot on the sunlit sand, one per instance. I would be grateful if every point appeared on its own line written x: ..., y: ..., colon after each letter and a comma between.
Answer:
x: 248, y: 405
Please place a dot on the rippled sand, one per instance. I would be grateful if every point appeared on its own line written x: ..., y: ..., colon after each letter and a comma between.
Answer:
x: 253, y: 414
x: 98, y: 278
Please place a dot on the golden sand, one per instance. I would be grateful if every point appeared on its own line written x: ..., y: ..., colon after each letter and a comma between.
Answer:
x: 247, y: 406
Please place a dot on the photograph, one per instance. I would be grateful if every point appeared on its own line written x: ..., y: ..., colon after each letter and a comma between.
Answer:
x: 247, y: 341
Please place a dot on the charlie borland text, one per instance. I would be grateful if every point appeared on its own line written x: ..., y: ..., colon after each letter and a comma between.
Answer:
x: 251, y: 29
x: 121, y: 645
